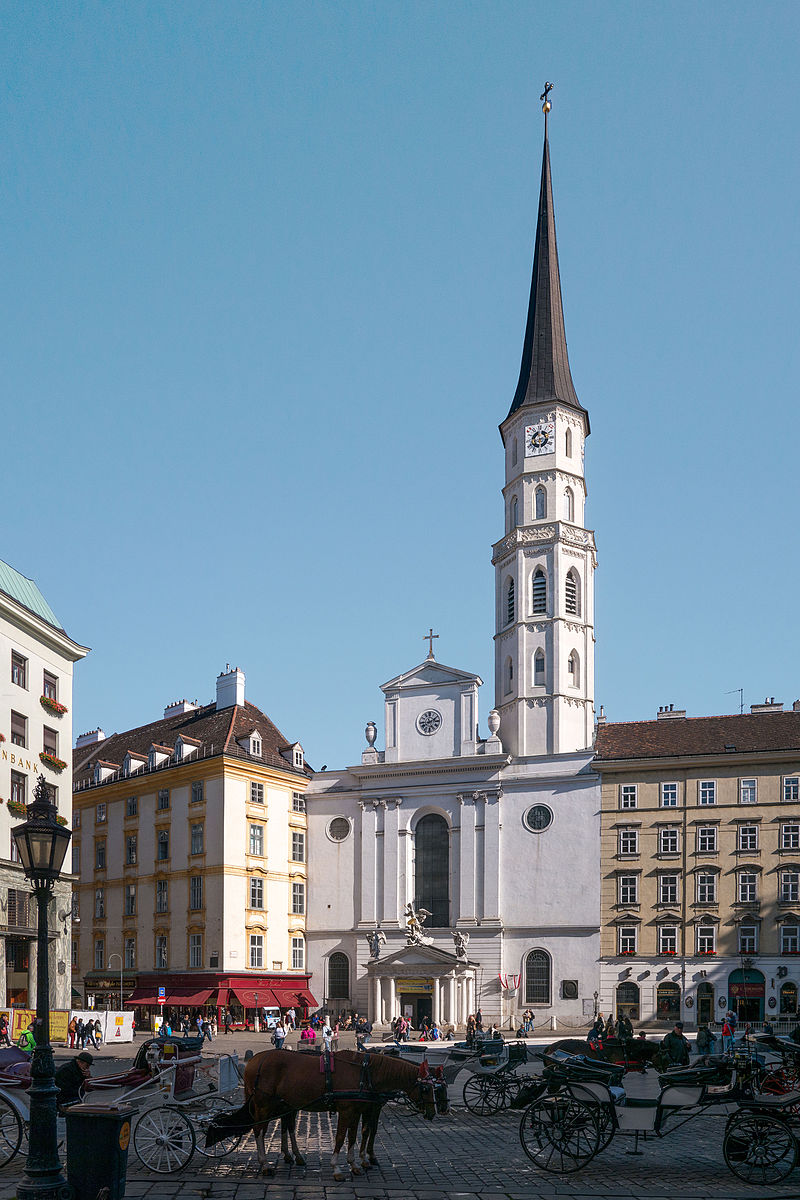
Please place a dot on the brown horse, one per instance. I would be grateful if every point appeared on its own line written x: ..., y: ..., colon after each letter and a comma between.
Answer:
x: 278, y: 1083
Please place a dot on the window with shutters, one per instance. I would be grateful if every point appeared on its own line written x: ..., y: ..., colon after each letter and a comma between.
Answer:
x: 572, y: 593
x: 510, y: 605
x: 19, y: 669
x: 19, y: 730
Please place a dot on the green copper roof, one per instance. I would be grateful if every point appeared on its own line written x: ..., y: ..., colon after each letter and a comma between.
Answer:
x: 26, y: 593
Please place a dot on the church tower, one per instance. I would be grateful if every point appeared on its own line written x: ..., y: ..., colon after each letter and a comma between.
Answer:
x: 544, y: 564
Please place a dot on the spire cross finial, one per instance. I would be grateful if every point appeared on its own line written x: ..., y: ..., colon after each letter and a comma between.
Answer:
x: 429, y: 638
x: 545, y: 98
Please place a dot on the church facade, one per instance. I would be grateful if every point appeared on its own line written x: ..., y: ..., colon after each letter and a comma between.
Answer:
x: 492, y: 840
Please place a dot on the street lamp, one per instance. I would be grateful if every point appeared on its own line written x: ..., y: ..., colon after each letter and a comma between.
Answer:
x: 42, y: 844
x: 119, y: 956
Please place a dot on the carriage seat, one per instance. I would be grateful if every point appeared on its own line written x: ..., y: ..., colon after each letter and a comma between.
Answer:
x: 692, y: 1076
x: 787, y: 1100
x: 638, y: 1101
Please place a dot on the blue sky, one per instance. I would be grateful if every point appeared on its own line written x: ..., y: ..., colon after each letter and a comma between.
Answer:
x: 265, y: 271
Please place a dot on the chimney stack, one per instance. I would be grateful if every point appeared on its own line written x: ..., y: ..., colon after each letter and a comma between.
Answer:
x: 230, y: 688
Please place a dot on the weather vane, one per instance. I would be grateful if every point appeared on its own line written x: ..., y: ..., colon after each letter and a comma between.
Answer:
x: 546, y: 105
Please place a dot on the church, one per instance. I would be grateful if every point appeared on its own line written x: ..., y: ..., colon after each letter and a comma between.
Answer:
x: 454, y: 871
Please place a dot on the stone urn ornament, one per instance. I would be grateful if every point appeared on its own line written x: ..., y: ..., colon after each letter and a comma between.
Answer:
x: 371, y: 732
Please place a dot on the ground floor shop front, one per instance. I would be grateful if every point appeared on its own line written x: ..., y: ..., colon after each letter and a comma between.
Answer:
x: 699, y: 991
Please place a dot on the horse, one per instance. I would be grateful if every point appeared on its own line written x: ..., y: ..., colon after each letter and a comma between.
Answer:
x: 279, y: 1083
x: 635, y: 1055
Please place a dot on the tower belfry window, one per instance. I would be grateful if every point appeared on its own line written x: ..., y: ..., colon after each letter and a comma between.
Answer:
x: 510, y: 605
x: 539, y: 591
x: 572, y: 593
x: 568, y: 443
x: 538, y: 667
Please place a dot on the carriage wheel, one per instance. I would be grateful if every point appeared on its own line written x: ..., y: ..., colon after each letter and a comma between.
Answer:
x: 201, y: 1115
x: 559, y: 1134
x: 759, y: 1148
x: 10, y: 1131
x: 778, y: 1083
x: 605, y: 1126
x: 164, y: 1140
x: 483, y: 1095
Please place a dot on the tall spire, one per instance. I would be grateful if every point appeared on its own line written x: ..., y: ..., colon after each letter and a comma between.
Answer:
x: 545, y: 375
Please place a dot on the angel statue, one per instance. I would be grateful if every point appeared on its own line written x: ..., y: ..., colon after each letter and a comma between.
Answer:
x: 415, y: 919
x: 461, y: 940
x: 376, y: 939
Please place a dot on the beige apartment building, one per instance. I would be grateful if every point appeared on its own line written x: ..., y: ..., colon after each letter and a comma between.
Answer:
x: 190, y: 844
x: 700, y: 863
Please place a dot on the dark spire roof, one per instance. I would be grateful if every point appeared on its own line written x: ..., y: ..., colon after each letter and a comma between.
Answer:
x: 544, y: 375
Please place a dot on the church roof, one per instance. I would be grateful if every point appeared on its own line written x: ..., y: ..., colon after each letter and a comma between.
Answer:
x: 544, y: 374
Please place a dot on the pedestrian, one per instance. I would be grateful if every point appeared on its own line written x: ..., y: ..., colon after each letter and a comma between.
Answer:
x: 26, y: 1041
x: 186, y: 1028
x: 597, y: 1030
x: 199, y: 1024
x: 98, y: 1034
x: 279, y: 1035
x: 527, y: 1023
x: 205, y: 1029
x: 479, y: 1021
x: 228, y: 1021
x: 72, y: 1030
x: 363, y: 1034
x: 768, y: 1029
x: 705, y: 1040
x: 471, y: 1029
x: 335, y: 1037
x: 727, y: 1035
x: 609, y: 1029
x: 734, y: 1020
x: 624, y: 1028
x: 308, y: 1037
x: 327, y: 1034
x: 676, y: 1046
x: 80, y: 1033
x: 291, y: 1017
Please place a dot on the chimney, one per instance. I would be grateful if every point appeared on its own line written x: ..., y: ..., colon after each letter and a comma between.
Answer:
x: 796, y: 706
x: 770, y: 705
x: 601, y: 720
x: 230, y: 688
x: 669, y: 712
x: 180, y: 706
x: 90, y: 739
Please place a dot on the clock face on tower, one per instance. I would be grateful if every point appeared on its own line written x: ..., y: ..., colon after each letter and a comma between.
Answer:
x: 429, y: 721
x: 540, y: 439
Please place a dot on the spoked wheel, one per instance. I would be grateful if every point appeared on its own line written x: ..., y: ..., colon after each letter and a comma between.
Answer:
x: 201, y: 1116
x: 778, y: 1083
x: 759, y: 1148
x: 559, y: 1134
x: 11, y: 1131
x: 605, y: 1125
x: 483, y: 1095
x: 164, y: 1140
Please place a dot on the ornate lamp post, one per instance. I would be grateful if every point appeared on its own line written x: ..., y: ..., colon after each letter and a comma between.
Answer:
x: 42, y: 844
x: 119, y: 956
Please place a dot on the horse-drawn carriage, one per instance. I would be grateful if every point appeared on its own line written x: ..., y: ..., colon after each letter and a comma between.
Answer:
x: 578, y: 1105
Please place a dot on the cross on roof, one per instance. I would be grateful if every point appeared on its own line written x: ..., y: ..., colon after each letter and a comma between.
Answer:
x: 429, y: 638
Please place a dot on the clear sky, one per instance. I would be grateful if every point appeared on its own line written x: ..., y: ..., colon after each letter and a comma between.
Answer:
x: 264, y: 279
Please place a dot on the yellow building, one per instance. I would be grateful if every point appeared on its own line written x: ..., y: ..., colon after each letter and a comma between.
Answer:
x: 190, y: 844
x: 700, y: 861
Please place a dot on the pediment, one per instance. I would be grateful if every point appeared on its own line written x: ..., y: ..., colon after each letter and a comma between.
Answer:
x: 430, y: 673
x: 414, y: 958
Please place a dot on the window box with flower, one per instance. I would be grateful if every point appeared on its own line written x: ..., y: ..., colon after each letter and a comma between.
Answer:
x: 53, y: 706
x: 52, y: 761
x: 17, y: 809
x: 706, y: 953
x: 2, y: 737
x: 627, y: 953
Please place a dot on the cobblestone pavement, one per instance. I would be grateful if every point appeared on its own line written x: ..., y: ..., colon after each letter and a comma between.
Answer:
x: 456, y: 1157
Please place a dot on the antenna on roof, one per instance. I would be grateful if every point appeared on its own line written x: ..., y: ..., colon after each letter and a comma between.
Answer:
x: 740, y: 692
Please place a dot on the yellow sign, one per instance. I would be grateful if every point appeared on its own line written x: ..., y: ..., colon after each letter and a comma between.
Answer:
x: 21, y: 1018
x: 414, y: 985
x: 125, y: 1136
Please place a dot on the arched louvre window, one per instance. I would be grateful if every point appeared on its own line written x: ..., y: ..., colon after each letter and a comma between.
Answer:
x: 338, y: 977
x: 432, y: 870
x: 568, y: 443
x: 510, y: 606
x: 537, y: 977
x: 538, y: 667
x: 540, y: 501
x: 539, y: 591
x: 572, y: 591
x: 569, y: 504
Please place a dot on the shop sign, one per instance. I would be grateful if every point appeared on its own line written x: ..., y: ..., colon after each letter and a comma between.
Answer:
x: 414, y: 985
x: 747, y: 991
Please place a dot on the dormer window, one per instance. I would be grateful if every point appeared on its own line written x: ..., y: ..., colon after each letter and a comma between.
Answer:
x: 255, y: 746
x: 298, y: 757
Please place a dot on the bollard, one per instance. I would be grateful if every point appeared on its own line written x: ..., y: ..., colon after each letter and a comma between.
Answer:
x: 97, y: 1149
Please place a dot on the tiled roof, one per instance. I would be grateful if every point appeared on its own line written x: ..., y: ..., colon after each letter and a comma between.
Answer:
x: 746, y: 734
x: 214, y: 731
x: 26, y: 593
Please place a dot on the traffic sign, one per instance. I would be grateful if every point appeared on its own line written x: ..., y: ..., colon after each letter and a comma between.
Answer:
x: 162, y: 995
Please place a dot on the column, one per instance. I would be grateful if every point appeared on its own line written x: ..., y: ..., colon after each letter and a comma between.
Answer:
x: 491, y: 856
x: 375, y: 997
x: 392, y: 1002
x: 470, y: 987
x: 467, y: 860
x: 437, y: 1008
x: 368, y: 839
x: 452, y: 1011
x: 463, y: 1001
x: 391, y: 874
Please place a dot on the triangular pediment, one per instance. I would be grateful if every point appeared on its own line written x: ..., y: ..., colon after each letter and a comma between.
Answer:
x: 413, y: 958
x: 430, y: 673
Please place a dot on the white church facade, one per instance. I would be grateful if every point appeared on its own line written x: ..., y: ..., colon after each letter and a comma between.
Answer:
x: 496, y: 838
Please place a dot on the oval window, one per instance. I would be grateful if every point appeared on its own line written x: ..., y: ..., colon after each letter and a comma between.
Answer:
x: 538, y: 818
x: 339, y: 829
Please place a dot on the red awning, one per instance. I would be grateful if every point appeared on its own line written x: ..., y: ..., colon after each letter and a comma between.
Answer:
x: 142, y: 996
x: 304, y: 997
x: 256, y: 997
x: 221, y: 998
x: 288, y: 998
x: 188, y: 996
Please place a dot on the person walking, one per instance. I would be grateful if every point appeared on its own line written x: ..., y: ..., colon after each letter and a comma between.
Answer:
x: 609, y: 1029
x: 228, y: 1021
x: 80, y: 1033
x: 727, y: 1035
x: 705, y: 1040
x: 98, y: 1034
x: 676, y: 1046
x: 624, y: 1028
x: 279, y: 1035
x: 205, y: 1029
x: 327, y: 1034
x: 363, y: 1034
x: 72, y: 1030
x: 335, y: 1037
x: 291, y: 1017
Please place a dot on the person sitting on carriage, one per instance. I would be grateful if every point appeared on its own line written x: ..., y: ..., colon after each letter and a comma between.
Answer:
x: 676, y: 1046
x: 609, y: 1029
x: 471, y: 1029
x: 363, y: 1033
x: 624, y: 1028
x: 71, y: 1076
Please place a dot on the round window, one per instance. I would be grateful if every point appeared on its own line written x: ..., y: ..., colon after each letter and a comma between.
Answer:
x: 429, y: 721
x: 339, y: 829
x: 538, y: 818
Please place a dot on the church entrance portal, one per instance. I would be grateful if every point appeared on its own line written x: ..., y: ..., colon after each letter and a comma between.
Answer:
x: 415, y: 1006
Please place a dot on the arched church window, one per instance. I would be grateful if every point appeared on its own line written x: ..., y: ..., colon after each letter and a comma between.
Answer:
x: 338, y: 977
x: 539, y: 591
x: 509, y: 674
x: 537, y: 977
x: 540, y: 501
x: 510, y: 607
x: 574, y: 669
x: 568, y: 443
x: 514, y: 513
x: 432, y: 870
x: 573, y: 593
x: 569, y: 504
x: 538, y: 667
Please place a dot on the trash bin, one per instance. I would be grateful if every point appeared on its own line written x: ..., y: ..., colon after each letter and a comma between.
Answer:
x: 97, y: 1149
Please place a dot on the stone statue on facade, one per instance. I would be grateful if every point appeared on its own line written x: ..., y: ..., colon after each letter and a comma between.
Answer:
x: 461, y: 940
x: 376, y: 938
x: 415, y: 919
